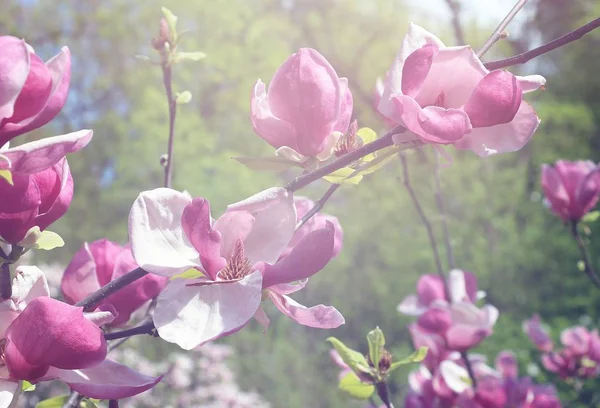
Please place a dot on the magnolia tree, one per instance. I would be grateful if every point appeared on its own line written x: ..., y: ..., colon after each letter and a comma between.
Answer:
x: 190, y: 277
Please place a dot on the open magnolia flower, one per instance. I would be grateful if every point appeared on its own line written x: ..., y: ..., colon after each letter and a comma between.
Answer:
x: 44, y: 339
x: 31, y: 92
x: 236, y: 260
x: 444, y: 95
x: 306, y: 109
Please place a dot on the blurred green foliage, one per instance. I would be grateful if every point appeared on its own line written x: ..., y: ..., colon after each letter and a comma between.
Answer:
x: 522, y: 255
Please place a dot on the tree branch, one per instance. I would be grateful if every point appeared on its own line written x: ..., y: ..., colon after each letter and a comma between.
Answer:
x: 172, y: 113
x: 113, y: 286
x: 318, y: 206
x: 146, y: 328
x: 497, y: 34
x: 588, y: 268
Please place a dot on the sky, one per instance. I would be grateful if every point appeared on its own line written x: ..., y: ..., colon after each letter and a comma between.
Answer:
x: 487, y: 11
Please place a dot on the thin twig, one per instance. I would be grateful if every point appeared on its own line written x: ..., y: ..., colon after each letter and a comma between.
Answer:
x: 146, y: 328
x: 5, y: 282
x: 113, y: 286
x: 384, y: 394
x: 588, y: 268
x: 439, y: 198
x: 454, y: 6
x: 465, y: 358
x: 552, y: 45
x: 318, y: 206
x: 497, y: 34
x: 73, y: 401
x: 424, y: 219
x: 378, y: 144
x: 172, y: 113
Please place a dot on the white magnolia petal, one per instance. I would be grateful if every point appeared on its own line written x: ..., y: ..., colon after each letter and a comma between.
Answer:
x: 455, y: 376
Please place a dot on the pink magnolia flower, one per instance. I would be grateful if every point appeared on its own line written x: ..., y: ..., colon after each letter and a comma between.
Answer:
x: 98, y: 263
x: 379, y: 88
x: 238, y: 256
x: 317, y: 221
x: 31, y: 92
x: 578, y: 358
x: 571, y: 188
x: 307, y: 108
x: 537, y: 334
x: 44, y: 339
x: 35, y: 200
x: 462, y: 286
x: 444, y: 95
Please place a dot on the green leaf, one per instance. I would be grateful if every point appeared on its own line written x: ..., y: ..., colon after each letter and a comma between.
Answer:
x: 376, y: 341
x: 171, y: 21
x: 55, y: 402
x: 48, y: 240
x: 7, y: 175
x: 590, y: 217
x: 343, y: 176
x: 355, y: 360
x: 183, y: 97
x: 27, y: 386
x: 367, y: 135
x: 274, y: 163
x: 356, y: 388
x: 188, y: 56
x: 415, y: 357
x: 189, y: 274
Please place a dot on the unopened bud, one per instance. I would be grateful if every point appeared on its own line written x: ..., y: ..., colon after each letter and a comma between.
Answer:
x: 349, y: 141
x: 164, y: 159
x: 163, y: 39
x: 385, y: 361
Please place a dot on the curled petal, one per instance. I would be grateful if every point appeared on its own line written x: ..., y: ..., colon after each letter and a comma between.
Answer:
x: 411, y: 306
x: 107, y: 380
x: 320, y: 316
x: 158, y: 240
x: 416, y: 68
x: 531, y: 82
x: 288, y: 288
x: 430, y: 288
x: 461, y: 337
x: 192, y: 315
x: 14, y: 68
x: 435, y: 320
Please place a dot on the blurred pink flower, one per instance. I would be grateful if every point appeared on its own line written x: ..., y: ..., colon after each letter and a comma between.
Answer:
x: 537, y: 334
x: 445, y: 95
x: 98, y: 263
x: 31, y: 92
x: 306, y: 109
x: 571, y: 188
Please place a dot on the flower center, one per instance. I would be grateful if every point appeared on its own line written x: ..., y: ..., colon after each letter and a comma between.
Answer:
x: 237, y: 265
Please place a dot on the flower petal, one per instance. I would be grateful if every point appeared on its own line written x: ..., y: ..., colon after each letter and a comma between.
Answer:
x: 416, y: 68
x: 158, y: 240
x: 8, y: 389
x: 233, y: 226
x: 311, y: 255
x: 37, y: 156
x: 192, y: 315
x: 507, y: 137
x: 14, y: 68
x: 531, y: 83
x: 320, y: 316
x: 411, y: 306
x: 346, y: 108
x: 107, y: 380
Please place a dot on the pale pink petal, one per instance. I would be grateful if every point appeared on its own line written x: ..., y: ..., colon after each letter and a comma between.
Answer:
x: 461, y: 337
x: 261, y: 317
x: 8, y: 389
x: 196, y: 222
x: 59, y: 68
x: 329, y: 146
x: 432, y: 123
x: 337, y: 359
x: 29, y: 283
x: 508, y: 137
x: 273, y: 130
x: 457, y: 285
x: 306, y: 92
x: 320, y: 316
x: 288, y: 288
x: 108, y: 380
x: 416, y: 68
x: 14, y: 68
x: 37, y: 156
x: 537, y: 334
x: 576, y: 340
x: 411, y: 306
x: 158, y: 240
x: 531, y: 83
x: 495, y: 100
x: 274, y: 223
x: 346, y: 108
x: 308, y: 257
x: 106, y: 315
x: 233, y: 226
x: 192, y: 315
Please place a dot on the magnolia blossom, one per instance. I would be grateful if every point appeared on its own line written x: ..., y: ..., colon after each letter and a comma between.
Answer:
x: 35, y: 200
x: 444, y: 95
x: 44, y: 339
x: 537, y: 334
x: 237, y: 259
x: 306, y: 109
x: 31, y: 92
x: 98, y: 263
x: 571, y: 188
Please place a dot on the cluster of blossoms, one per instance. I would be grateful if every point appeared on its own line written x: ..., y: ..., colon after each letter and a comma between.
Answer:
x: 578, y: 359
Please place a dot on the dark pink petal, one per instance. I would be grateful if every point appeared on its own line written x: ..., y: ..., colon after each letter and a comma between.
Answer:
x: 430, y: 288
x: 79, y: 279
x: 435, y: 320
x: 495, y: 100
x: 586, y: 196
x: 288, y: 288
x: 196, y: 224
x: 307, y: 258
x: 58, y: 71
x: 56, y: 191
x: 320, y: 316
x: 461, y: 337
x: 506, y: 363
x: 14, y: 69
x: 105, y: 254
x: 490, y: 393
x: 306, y: 93
x: 18, y: 207
x: 471, y: 285
x: 52, y: 333
x: 432, y: 123
x: 555, y: 191
x: 107, y: 380
x: 537, y: 334
x: 416, y: 67
x: 36, y: 156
